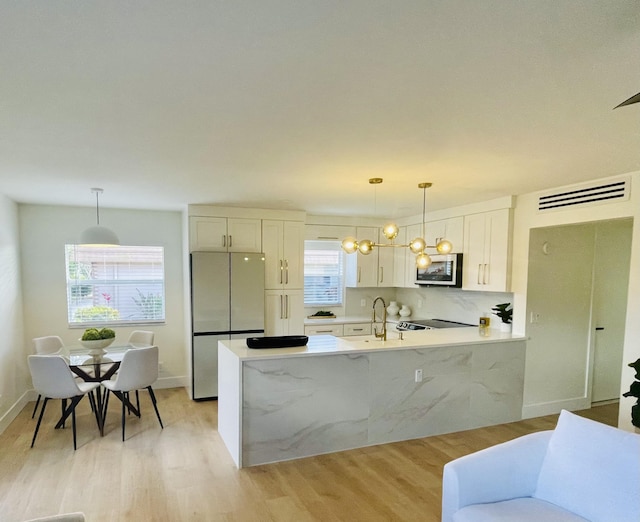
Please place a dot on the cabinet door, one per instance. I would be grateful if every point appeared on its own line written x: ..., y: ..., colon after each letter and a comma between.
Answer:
x: 293, y: 254
x: 329, y: 329
x: 486, y: 251
x: 207, y: 234
x: 244, y: 235
x: 385, y: 262
x: 362, y: 271
x: 400, y: 259
x: 451, y: 229
x: 294, y: 308
x: 413, y: 231
x: 357, y: 329
x: 272, y: 238
x: 274, y: 316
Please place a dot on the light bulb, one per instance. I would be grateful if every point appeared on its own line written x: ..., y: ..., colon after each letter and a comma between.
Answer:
x: 365, y: 246
x: 390, y: 231
x: 349, y: 245
x: 444, y: 246
x: 417, y: 245
x: 423, y: 260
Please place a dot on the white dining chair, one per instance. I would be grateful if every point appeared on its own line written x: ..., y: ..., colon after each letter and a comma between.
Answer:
x: 53, y: 379
x: 141, y: 337
x: 46, y: 345
x: 138, y: 370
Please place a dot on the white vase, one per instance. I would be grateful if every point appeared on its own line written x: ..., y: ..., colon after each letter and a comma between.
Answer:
x: 505, y: 327
x: 393, y: 309
x: 405, y: 311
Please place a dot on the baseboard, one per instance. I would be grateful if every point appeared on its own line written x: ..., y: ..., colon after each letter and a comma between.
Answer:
x: 171, y: 382
x: 16, y: 408
x: 529, y: 411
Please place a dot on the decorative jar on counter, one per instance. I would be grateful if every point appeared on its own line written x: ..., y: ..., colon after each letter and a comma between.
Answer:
x: 393, y: 309
x: 405, y: 311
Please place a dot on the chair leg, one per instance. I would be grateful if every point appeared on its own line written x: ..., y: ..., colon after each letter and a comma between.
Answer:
x: 98, y: 415
x: 73, y: 424
x: 104, y: 407
x: 138, y: 402
x: 35, y: 433
x: 64, y: 407
x: 123, y: 416
x: 155, y: 406
x: 36, y: 406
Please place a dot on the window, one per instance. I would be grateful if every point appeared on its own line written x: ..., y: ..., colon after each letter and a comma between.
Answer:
x: 323, y: 273
x: 114, y: 285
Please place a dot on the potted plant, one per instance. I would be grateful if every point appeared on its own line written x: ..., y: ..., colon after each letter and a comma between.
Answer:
x: 505, y: 312
x: 634, y: 391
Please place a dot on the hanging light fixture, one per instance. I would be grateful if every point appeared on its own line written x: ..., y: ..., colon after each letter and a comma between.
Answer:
x: 98, y: 235
x: 418, y: 245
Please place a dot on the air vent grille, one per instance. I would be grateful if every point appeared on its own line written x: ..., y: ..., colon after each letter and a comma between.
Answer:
x: 591, y: 195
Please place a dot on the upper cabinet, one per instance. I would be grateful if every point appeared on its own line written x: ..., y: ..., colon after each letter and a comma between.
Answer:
x: 450, y: 229
x: 487, y: 240
x: 362, y: 271
x: 221, y: 234
x: 283, y: 247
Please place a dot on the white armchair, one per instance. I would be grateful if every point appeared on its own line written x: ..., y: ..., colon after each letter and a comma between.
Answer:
x: 583, y: 470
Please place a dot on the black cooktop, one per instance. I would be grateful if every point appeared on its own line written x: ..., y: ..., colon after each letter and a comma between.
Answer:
x: 433, y: 323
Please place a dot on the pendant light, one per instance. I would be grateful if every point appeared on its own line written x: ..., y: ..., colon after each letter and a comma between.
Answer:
x: 98, y: 235
x: 418, y: 245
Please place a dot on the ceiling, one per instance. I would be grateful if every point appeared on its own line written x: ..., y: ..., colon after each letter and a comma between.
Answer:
x: 295, y: 104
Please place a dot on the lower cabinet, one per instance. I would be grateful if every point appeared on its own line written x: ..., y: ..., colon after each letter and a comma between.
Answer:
x: 284, y: 312
x: 338, y: 329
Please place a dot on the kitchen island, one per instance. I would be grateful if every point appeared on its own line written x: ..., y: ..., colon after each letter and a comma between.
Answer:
x: 336, y: 393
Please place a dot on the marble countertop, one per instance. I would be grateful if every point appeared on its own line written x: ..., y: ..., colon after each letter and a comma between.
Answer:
x: 328, y: 344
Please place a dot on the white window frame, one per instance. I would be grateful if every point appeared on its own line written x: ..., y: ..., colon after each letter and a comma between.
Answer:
x: 334, y: 247
x: 130, y: 277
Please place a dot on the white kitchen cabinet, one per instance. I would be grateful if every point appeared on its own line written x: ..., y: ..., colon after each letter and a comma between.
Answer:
x: 324, y: 329
x: 386, y: 257
x: 361, y: 270
x: 221, y: 234
x: 283, y: 247
x: 357, y: 329
x: 284, y: 312
x: 328, y: 232
x: 487, y: 239
x: 451, y: 229
x: 413, y: 231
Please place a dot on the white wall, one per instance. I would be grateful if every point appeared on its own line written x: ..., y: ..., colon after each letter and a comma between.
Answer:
x: 526, y: 217
x: 14, y: 376
x: 44, y: 230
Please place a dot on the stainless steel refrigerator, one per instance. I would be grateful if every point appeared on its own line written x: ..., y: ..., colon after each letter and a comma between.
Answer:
x: 227, y: 302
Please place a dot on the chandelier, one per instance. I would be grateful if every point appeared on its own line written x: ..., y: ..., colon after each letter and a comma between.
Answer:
x: 417, y: 246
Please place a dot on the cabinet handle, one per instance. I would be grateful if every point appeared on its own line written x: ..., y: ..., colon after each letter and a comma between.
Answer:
x: 281, y: 307
x: 479, y: 271
x: 286, y: 307
x: 324, y: 331
x: 286, y: 271
x: 224, y: 240
x: 281, y: 269
x: 328, y: 237
x: 485, y: 275
x: 230, y: 241
x: 381, y: 270
x: 359, y: 271
x: 357, y: 329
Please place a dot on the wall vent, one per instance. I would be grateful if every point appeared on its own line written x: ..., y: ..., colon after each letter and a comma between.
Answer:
x: 609, y: 192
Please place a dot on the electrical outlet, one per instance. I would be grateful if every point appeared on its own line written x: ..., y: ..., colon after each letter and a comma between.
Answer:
x: 419, y: 375
x: 363, y: 303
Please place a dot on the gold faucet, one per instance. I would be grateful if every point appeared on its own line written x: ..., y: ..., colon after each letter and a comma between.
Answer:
x: 382, y: 335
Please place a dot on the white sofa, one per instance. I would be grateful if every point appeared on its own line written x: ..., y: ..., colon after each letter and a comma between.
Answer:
x: 582, y: 470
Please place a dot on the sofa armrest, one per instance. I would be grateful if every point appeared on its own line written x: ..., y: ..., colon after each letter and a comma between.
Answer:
x: 501, y: 472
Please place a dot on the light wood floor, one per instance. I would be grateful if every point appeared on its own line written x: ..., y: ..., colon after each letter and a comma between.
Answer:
x: 184, y: 473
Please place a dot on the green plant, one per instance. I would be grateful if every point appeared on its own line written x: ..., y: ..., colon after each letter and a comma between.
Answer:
x: 91, y: 334
x: 150, y: 305
x: 107, y: 333
x: 634, y: 391
x: 96, y: 313
x: 504, y: 311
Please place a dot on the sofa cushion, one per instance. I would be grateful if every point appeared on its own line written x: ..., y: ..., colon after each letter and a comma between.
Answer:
x: 520, y: 509
x: 592, y: 470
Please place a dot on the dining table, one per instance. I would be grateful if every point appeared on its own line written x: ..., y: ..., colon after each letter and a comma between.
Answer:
x: 96, y: 366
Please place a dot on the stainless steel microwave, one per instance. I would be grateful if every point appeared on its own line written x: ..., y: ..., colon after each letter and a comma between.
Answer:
x: 444, y: 270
